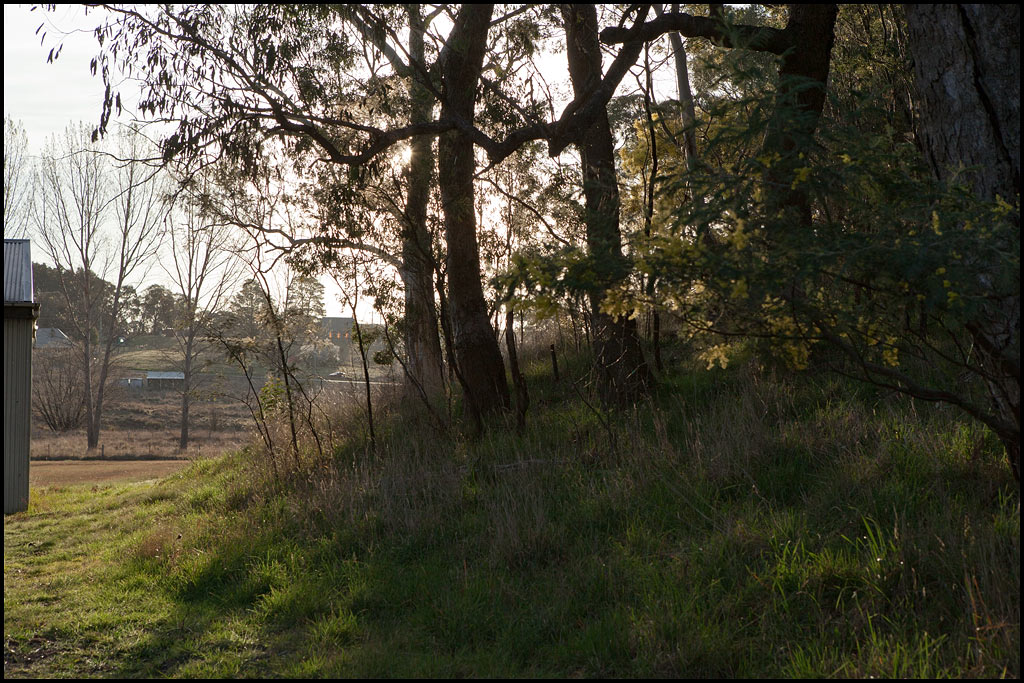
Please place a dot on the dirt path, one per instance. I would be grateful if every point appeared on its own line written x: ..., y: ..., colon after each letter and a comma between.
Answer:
x: 66, y: 472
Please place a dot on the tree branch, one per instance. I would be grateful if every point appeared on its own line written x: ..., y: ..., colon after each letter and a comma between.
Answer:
x: 761, y: 38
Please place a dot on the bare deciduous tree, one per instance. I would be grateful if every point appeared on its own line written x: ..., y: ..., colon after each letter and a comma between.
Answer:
x: 98, y: 219
x: 18, y: 183
x: 203, y: 270
x: 57, y: 388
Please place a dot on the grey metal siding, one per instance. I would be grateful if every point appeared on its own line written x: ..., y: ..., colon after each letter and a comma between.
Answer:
x: 17, y: 411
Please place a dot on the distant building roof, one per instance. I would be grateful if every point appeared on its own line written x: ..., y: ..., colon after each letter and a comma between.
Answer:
x: 336, y: 324
x: 51, y: 336
x: 17, y: 272
x: 165, y: 375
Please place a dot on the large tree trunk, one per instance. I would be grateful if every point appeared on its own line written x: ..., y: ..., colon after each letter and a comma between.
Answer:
x: 967, y: 82
x: 480, y: 368
x: 421, y: 332
x: 621, y: 367
x: 810, y: 32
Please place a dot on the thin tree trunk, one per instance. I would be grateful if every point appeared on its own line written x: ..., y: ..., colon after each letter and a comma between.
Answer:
x: 366, y: 379
x: 285, y: 375
x: 522, y: 394
x: 92, y: 432
x: 650, y: 189
x: 186, y: 394
x: 687, y: 114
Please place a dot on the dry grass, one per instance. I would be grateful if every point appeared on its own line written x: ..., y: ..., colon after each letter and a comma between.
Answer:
x: 146, y: 425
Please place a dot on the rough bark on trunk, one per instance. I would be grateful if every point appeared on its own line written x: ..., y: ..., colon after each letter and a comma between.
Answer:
x: 967, y: 83
x: 481, y: 369
x: 622, y: 371
x: 811, y: 34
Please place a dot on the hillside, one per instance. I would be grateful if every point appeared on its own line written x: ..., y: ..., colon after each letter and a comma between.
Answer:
x: 743, y: 522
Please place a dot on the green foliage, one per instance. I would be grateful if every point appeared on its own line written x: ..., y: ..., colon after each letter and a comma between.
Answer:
x: 272, y: 395
x: 887, y: 244
x: 844, y: 251
x: 383, y: 357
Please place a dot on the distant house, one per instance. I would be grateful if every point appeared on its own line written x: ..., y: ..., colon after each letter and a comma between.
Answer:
x: 158, y: 381
x: 20, y: 314
x: 340, y: 332
x: 52, y: 338
x: 337, y: 330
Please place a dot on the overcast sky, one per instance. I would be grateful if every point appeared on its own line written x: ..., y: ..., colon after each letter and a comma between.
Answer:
x: 44, y: 97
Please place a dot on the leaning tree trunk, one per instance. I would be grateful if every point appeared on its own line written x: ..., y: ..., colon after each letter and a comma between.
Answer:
x: 623, y: 373
x: 480, y: 368
x: 967, y: 82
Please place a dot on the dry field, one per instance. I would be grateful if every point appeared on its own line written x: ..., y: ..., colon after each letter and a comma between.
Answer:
x: 69, y: 472
x: 139, y: 438
x: 140, y: 432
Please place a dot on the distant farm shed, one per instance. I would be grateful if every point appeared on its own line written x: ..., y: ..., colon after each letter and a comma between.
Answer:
x: 165, y: 380
x: 20, y: 314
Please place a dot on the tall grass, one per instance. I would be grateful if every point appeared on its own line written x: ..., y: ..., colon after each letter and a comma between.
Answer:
x: 739, y: 523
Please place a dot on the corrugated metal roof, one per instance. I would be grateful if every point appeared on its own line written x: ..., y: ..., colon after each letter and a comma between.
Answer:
x: 51, y: 336
x: 165, y: 375
x: 17, y: 272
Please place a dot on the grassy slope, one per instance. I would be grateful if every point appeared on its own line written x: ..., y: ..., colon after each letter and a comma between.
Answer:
x: 738, y: 525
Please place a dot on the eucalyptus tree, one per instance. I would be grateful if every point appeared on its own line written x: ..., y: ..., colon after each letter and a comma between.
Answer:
x: 622, y: 369
x: 851, y: 240
x: 230, y: 79
x: 159, y: 309
x: 967, y: 82
x: 233, y: 77
x: 479, y: 364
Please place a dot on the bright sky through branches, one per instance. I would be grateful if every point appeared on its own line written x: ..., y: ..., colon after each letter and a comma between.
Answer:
x: 46, y: 97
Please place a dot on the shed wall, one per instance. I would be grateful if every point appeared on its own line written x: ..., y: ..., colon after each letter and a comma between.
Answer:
x: 17, y: 411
